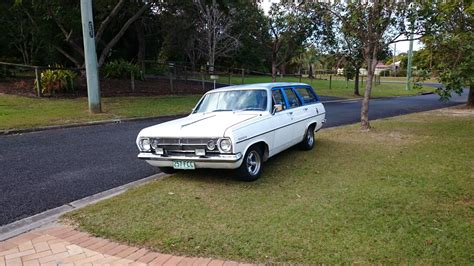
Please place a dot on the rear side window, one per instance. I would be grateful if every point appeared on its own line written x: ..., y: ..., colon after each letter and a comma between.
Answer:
x: 307, y: 95
x: 293, y: 100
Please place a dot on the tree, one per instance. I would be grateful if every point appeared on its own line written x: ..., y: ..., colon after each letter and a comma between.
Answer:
x: 307, y: 60
x: 422, y: 59
x: 374, y: 26
x: 65, y: 14
x: 290, y: 28
x: 214, y: 32
x: 253, y: 52
x: 352, y: 50
x: 452, y: 47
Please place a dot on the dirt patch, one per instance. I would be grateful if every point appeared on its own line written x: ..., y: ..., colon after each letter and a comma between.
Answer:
x: 113, y: 87
x: 466, y: 202
x: 458, y: 111
x: 393, y: 138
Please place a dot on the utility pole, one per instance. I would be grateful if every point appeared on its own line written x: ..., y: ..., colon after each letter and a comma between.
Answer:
x: 410, y: 61
x: 90, y: 55
x: 394, y: 59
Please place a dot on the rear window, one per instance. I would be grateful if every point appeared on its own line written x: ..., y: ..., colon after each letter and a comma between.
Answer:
x: 307, y: 95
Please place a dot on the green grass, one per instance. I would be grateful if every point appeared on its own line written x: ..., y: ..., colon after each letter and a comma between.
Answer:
x: 339, y: 87
x: 401, y: 193
x: 25, y: 112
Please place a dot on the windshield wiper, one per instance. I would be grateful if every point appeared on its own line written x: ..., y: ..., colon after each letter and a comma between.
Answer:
x: 221, y: 110
x: 252, y: 109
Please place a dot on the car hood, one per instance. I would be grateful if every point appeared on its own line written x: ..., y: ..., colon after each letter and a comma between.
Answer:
x: 199, y: 125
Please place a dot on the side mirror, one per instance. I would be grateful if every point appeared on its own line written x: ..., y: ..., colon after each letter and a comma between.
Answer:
x: 277, y: 108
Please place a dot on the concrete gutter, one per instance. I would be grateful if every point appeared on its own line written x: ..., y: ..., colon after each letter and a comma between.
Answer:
x: 85, y: 124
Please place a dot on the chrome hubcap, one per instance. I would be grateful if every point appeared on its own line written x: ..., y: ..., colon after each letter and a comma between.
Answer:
x: 253, y: 163
x: 309, y: 138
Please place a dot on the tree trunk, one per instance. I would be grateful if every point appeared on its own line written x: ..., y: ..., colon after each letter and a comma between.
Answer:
x: 470, y: 98
x: 141, y: 44
x: 364, y: 112
x: 283, y: 69
x: 274, y: 63
x: 311, y: 76
x: 274, y: 69
x: 356, y: 83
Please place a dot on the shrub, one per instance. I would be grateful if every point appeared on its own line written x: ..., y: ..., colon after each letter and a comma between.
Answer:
x: 401, y: 73
x: 122, y: 69
x: 56, y: 80
x: 385, y: 73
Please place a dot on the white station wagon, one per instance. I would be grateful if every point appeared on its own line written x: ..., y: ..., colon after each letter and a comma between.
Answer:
x: 236, y: 127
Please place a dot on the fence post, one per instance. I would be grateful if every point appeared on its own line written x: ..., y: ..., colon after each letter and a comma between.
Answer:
x: 330, y: 81
x: 132, y: 79
x: 38, y: 82
x: 185, y: 73
x: 243, y: 75
x: 171, y: 76
x: 202, y: 79
x: 228, y: 70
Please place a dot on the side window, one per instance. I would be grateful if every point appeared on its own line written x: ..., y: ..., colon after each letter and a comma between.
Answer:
x: 293, y: 100
x: 306, y: 94
x: 278, y: 98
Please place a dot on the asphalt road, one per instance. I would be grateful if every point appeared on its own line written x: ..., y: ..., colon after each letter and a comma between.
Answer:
x: 44, y: 170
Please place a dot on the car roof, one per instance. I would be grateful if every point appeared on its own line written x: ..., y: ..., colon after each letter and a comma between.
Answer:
x: 265, y: 86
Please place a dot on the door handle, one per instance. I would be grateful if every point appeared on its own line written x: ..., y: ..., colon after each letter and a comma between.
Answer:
x: 290, y: 113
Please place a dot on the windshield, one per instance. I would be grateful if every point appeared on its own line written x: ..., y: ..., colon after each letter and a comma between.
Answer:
x: 234, y: 100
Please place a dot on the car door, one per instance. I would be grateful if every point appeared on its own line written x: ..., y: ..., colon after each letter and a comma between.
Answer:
x: 298, y: 114
x: 281, y: 123
x: 313, y: 106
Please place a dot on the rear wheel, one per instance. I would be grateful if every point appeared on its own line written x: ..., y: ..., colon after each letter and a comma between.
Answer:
x: 251, y: 166
x: 308, y: 140
x: 168, y: 170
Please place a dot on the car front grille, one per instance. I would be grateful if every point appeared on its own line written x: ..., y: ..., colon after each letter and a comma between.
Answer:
x: 183, y: 145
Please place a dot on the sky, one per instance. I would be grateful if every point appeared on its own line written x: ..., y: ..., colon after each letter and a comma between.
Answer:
x: 401, y: 47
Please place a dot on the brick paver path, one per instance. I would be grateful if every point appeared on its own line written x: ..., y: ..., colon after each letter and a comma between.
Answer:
x: 62, y: 245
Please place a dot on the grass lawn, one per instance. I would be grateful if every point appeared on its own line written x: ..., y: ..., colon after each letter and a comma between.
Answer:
x: 401, y: 193
x: 25, y: 112
x: 339, y: 87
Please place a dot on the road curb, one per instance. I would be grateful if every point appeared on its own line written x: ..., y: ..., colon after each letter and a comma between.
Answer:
x: 93, y: 123
x: 49, y: 216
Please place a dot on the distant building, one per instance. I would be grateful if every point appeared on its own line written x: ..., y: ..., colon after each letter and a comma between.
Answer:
x: 381, y: 67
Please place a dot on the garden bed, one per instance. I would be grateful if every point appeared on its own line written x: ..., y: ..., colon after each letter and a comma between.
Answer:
x: 111, y: 87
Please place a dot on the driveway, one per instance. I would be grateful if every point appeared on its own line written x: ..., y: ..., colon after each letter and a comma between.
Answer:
x: 44, y: 170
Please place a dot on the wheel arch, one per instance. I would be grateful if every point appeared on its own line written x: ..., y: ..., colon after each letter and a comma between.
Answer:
x: 312, y: 124
x: 263, y: 147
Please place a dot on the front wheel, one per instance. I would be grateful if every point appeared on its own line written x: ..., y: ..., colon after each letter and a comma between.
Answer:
x: 308, y: 141
x: 251, y: 166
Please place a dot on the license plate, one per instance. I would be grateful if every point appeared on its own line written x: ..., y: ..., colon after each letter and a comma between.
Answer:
x: 186, y: 165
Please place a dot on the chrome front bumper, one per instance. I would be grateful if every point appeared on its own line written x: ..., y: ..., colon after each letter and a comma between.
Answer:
x: 221, y: 161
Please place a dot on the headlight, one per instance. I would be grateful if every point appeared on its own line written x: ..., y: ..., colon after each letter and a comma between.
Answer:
x: 225, y: 145
x: 211, y: 145
x: 145, y: 144
x: 154, y: 143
